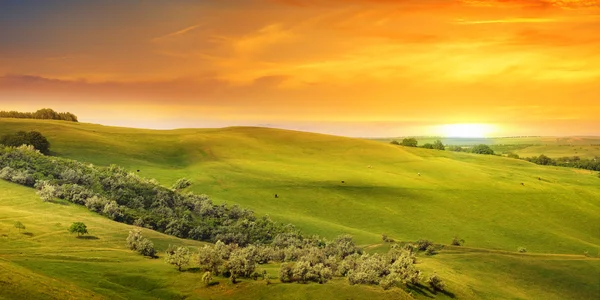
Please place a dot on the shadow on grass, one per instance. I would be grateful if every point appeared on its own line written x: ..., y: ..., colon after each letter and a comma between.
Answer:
x: 60, y: 202
x: 213, y: 283
x: 421, y: 290
x: 193, y: 270
x: 87, y: 237
x: 29, y: 234
x: 427, y: 291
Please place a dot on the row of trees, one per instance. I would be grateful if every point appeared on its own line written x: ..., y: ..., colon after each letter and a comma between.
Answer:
x: 573, y: 162
x: 438, y: 145
x: 307, y: 260
x: 33, y: 138
x: 243, y: 240
x: 412, y: 142
x: 125, y: 197
x: 45, y: 113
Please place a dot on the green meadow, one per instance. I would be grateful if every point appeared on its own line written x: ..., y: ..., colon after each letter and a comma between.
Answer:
x: 326, y: 185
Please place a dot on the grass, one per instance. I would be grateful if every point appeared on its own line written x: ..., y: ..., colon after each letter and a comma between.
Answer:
x: 50, y: 263
x: 494, y: 203
x: 554, y: 147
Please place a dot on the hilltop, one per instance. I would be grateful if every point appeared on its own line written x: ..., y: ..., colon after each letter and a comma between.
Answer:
x: 329, y: 185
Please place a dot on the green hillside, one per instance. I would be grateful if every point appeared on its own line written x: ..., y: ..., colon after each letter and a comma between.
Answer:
x: 554, y: 147
x: 330, y: 185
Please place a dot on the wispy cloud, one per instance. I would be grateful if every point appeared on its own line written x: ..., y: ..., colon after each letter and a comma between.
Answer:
x: 512, y: 20
x: 177, y: 33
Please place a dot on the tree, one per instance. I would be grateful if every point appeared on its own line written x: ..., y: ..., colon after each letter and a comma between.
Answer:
x: 47, y: 192
x: 207, y: 278
x: 482, y: 149
x: 409, y: 142
x: 435, y: 283
x: 38, y: 141
x: 438, y: 145
x: 181, y: 184
x: 146, y: 248
x: 456, y: 241
x: 79, y: 228
x: 19, y: 226
x: 427, y: 146
x: 178, y: 256
x: 33, y: 138
x: 394, y: 142
x: 286, y: 273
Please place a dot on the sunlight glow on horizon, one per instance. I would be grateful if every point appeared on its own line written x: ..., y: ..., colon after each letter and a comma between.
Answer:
x: 467, y: 130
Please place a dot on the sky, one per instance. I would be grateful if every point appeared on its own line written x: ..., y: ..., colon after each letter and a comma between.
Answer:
x: 367, y: 68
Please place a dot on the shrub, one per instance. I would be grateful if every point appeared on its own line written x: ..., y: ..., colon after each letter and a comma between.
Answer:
x: 79, y: 228
x: 181, y: 184
x: 422, y: 245
x: 178, y: 256
x: 409, y: 142
x: 457, y: 241
x: 435, y: 283
x: 482, y: 149
x: 430, y: 250
x: 522, y: 249
x: 47, y: 192
x: 286, y: 274
x: 207, y: 278
x: 146, y: 248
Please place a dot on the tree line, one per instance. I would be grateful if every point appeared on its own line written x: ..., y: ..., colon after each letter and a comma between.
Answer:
x: 33, y: 138
x: 242, y: 240
x: 44, y: 114
x: 573, y: 162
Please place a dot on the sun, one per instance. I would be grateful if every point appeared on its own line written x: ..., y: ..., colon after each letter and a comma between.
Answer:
x: 467, y: 130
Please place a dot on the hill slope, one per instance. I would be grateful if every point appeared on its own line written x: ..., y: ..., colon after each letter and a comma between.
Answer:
x: 491, y: 202
x: 479, y: 198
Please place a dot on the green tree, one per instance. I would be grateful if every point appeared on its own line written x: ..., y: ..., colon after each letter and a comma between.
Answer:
x: 79, y: 228
x: 33, y: 138
x: 181, y: 184
x: 409, y: 142
x: 178, y: 256
x: 427, y: 146
x: 47, y: 192
x: 19, y: 226
x: 207, y: 278
x: 435, y: 283
x: 438, y: 145
x: 394, y: 142
x: 482, y: 149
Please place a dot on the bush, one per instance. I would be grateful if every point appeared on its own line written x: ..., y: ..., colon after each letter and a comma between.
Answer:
x: 457, y: 241
x: 409, y: 142
x: 522, y: 249
x: 79, y: 228
x: 33, y: 138
x: 430, y: 250
x: 435, y: 283
x: 482, y: 149
x: 422, y: 245
x: 181, y: 184
x: 286, y: 274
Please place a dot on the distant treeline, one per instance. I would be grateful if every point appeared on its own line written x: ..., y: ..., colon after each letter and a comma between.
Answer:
x: 573, y: 162
x: 45, y: 114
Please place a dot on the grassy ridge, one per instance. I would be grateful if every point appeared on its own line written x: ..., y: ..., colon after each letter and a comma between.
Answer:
x: 46, y: 262
x: 479, y: 198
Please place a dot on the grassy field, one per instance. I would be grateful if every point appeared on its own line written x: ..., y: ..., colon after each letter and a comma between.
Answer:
x: 330, y: 185
x: 554, y: 147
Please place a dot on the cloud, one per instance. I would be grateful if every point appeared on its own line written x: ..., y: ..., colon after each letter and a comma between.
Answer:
x: 545, y: 4
x: 177, y: 33
x: 511, y: 20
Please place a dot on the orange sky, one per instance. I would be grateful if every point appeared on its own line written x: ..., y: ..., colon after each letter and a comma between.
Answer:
x: 349, y: 67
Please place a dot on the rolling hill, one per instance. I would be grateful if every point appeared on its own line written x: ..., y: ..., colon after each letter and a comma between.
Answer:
x: 329, y: 185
